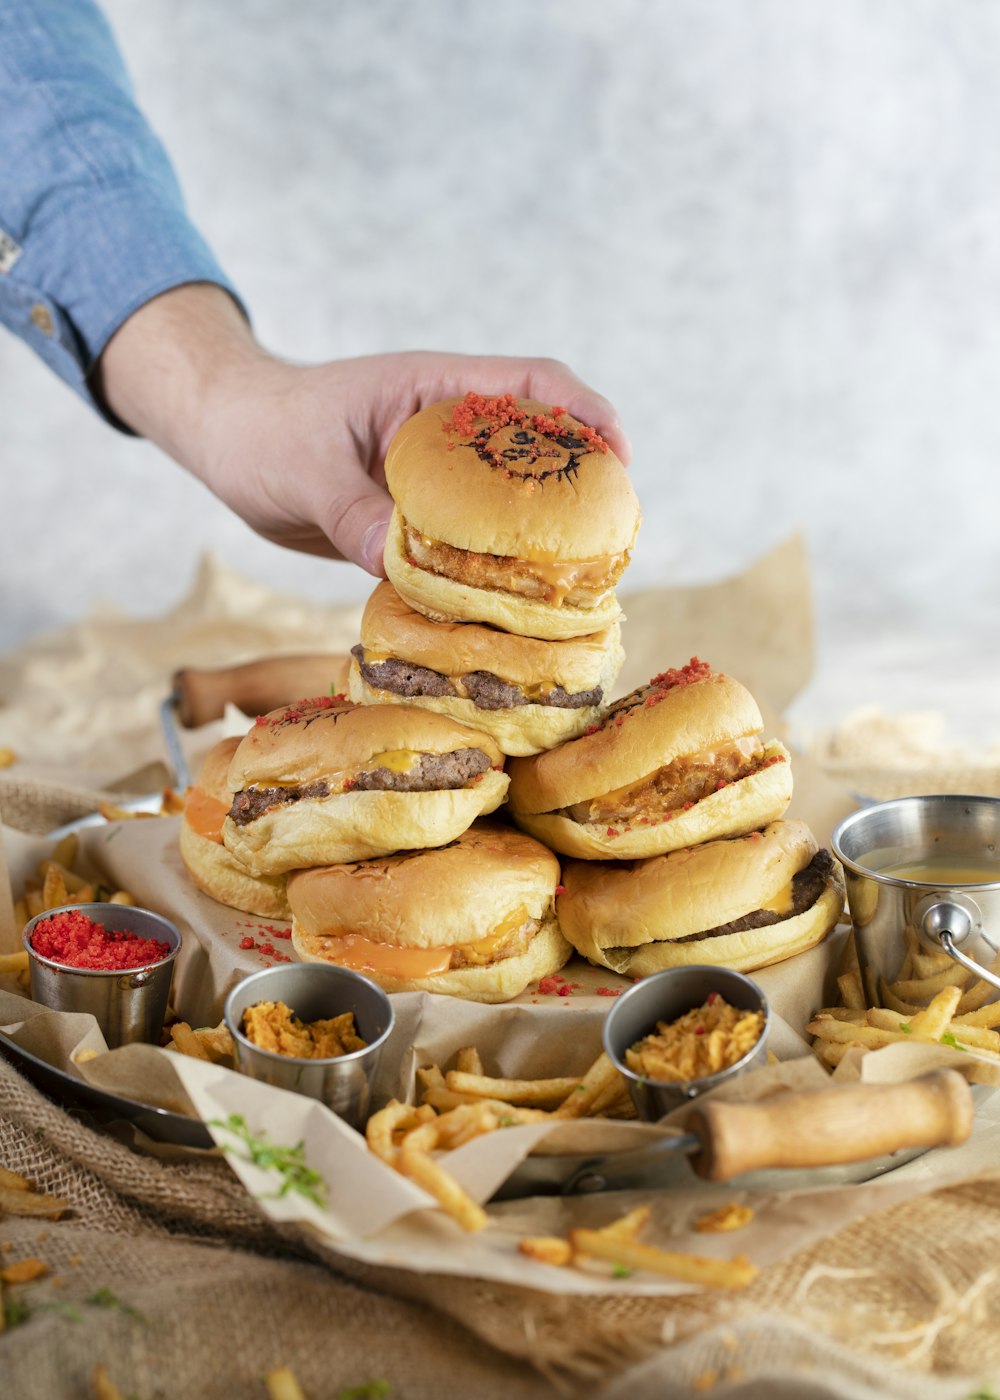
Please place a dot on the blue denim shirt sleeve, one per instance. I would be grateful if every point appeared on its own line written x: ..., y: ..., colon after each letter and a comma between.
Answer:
x: 92, y: 220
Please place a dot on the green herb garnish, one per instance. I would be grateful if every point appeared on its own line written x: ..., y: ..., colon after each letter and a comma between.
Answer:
x: 371, y: 1390
x: 905, y: 1027
x: 620, y: 1271
x: 104, y: 1298
x: 949, y: 1039
x: 289, y: 1161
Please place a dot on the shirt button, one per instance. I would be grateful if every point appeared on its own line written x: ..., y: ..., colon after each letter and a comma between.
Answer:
x: 42, y: 318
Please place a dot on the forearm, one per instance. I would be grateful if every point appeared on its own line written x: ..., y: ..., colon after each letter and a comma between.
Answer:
x: 168, y: 371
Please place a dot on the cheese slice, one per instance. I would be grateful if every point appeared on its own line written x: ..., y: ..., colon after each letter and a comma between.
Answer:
x: 367, y: 955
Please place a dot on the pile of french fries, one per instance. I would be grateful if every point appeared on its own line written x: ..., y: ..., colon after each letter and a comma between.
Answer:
x: 933, y: 998
x: 618, y: 1244
x: 56, y: 882
x: 464, y: 1103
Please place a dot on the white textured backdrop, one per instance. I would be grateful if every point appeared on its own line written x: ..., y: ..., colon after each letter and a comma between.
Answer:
x: 769, y: 231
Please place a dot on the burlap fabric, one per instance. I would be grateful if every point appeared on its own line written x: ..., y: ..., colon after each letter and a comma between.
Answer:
x: 904, y: 1303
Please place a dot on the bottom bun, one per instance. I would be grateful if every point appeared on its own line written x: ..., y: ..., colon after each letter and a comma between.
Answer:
x: 547, y: 952
x: 742, y: 903
x: 219, y: 874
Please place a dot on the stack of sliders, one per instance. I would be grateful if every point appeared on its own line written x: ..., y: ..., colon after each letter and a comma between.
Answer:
x: 501, y: 636
x: 488, y: 659
x: 671, y: 809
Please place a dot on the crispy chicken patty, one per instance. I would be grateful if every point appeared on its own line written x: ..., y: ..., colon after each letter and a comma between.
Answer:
x: 591, y: 582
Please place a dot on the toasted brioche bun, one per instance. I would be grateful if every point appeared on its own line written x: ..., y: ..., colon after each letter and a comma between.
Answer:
x: 212, y: 868
x: 630, y: 918
x: 576, y: 502
x: 390, y: 628
x: 503, y: 489
x: 680, y: 715
x: 320, y: 741
x: 486, y: 885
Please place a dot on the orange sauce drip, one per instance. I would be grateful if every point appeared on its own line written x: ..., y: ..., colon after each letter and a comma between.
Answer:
x: 364, y: 955
x: 204, y: 814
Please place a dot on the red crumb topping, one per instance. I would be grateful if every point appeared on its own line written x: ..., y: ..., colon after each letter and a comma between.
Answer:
x: 560, y: 889
x: 75, y: 940
x: 608, y: 991
x: 247, y: 942
x: 675, y: 677
x: 504, y: 410
x: 556, y: 986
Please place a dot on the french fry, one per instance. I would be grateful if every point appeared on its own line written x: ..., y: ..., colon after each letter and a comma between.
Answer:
x: 627, y: 1226
x: 954, y: 976
x: 381, y: 1126
x: 688, y: 1268
x: 854, y: 1033
x: 23, y: 1271
x: 547, y: 1249
x: 54, y: 892
x: 468, y: 1061
x: 988, y: 1015
x: 931, y: 1023
x: 463, y: 1124
x: 121, y: 897
x: 33, y: 899
x: 103, y: 1386
x: 515, y: 1091
x: 84, y: 895
x: 16, y: 1201
x: 13, y: 963
x: 65, y: 851
x: 850, y: 991
x: 416, y: 1163
x: 217, y: 1041
x: 446, y: 1099
x: 578, y: 1102
x: 171, y: 803
x: 431, y: 1077
x: 21, y: 915
x: 282, y: 1384
x: 731, y: 1216
x: 14, y: 1181
x: 187, y: 1042
x: 889, y: 998
x: 7, y: 757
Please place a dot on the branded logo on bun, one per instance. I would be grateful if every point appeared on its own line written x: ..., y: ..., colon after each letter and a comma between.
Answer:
x: 474, y: 918
x: 325, y: 780
x: 675, y: 762
x: 744, y: 902
x: 510, y: 512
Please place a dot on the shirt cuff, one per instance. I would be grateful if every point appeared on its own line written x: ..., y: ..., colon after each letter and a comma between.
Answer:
x: 97, y: 256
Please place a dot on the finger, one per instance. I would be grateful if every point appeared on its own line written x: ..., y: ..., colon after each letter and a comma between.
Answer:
x: 356, y: 521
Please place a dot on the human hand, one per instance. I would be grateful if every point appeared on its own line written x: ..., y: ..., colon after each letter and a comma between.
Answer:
x: 298, y: 450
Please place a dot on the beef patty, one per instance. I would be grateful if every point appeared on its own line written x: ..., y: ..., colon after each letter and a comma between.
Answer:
x: 807, y: 886
x: 483, y: 688
x: 432, y: 772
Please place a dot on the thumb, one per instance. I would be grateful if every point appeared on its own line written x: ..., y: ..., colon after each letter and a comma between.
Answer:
x: 356, y: 522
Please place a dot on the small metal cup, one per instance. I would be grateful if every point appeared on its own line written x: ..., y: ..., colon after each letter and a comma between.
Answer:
x: 315, y: 991
x: 128, y: 1006
x: 942, y: 913
x: 664, y: 996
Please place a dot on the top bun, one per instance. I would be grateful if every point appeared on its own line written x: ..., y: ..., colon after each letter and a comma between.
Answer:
x: 679, y: 713
x: 511, y: 477
x: 329, y: 736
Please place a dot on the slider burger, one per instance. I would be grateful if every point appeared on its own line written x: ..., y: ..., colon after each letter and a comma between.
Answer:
x: 742, y: 903
x: 675, y: 762
x: 212, y: 868
x: 528, y: 694
x: 474, y: 918
x: 324, y: 780
x: 508, y: 512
